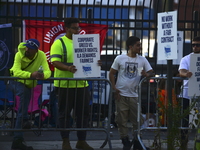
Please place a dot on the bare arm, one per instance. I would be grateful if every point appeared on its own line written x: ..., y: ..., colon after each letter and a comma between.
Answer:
x: 112, y: 74
x: 185, y: 73
x: 149, y: 73
x: 61, y: 66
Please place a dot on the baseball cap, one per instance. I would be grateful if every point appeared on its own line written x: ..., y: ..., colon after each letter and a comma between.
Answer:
x: 32, y: 44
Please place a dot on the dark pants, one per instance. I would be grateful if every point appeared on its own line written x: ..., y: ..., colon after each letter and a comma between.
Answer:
x: 78, y: 100
x: 53, y: 108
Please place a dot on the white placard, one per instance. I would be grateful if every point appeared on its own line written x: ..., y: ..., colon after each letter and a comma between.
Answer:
x: 167, y: 35
x: 194, y: 80
x: 101, y: 89
x: 47, y: 88
x: 86, y: 55
x: 179, y: 50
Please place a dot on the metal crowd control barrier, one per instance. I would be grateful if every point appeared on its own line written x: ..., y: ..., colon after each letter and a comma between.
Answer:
x: 149, y: 87
x: 44, y: 95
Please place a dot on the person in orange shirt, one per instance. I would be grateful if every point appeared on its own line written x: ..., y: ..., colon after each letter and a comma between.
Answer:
x: 163, y: 101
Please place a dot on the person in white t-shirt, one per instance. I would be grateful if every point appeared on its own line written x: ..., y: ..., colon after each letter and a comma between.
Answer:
x: 184, y: 71
x: 130, y: 67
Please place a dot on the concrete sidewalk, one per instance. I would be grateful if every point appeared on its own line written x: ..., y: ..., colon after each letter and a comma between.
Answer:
x: 51, y: 140
x: 56, y: 145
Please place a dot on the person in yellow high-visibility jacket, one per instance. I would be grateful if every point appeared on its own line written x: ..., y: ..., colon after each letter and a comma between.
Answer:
x: 73, y: 94
x: 27, y: 61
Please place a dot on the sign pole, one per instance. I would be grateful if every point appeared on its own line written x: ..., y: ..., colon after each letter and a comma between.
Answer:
x: 170, y: 123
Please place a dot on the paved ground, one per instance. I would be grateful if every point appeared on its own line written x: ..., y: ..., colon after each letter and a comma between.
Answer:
x: 56, y: 145
x: 50, y: 140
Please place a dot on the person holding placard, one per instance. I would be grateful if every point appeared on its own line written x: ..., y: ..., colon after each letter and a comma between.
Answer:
x: 130, y: 68
x: 184, y: 71
x: 73, y: 94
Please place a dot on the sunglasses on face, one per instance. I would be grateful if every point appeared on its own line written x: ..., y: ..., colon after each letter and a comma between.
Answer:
x: 75, y: 28
x: 32, y: 43
x: 197, y: 45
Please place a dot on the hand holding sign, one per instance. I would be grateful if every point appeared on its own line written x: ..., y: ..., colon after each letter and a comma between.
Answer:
x: 72, y: 69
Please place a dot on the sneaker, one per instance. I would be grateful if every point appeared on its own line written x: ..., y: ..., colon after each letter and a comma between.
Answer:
x: 19, y: 144
x: 83, y: 145
x: 66, y: 144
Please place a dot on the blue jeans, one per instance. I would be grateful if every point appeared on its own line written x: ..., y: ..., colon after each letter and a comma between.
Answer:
x: 24, y: 93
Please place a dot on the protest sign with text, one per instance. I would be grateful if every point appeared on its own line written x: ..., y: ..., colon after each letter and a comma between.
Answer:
x: 179, y: 50
x: 86, y: 55
x: 194, y: 80
x: 167, y: 35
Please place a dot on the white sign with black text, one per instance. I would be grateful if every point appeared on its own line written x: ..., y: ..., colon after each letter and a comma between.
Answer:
x: 86, y: 55
x: 194, y: 80
x: 167, y: 35
x: 179, y: 50
x: 101, y: 89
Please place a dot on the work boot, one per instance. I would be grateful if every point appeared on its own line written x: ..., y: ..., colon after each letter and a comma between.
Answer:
x: 26, y: 124
x: 137, y: 145
x: 66, y: 145
x: 127, y: 144
x: 19, y: 144
x: 83, y: 145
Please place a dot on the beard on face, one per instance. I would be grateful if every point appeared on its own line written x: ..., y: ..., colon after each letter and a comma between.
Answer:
x: 196, y: 51
x: 27, y: 54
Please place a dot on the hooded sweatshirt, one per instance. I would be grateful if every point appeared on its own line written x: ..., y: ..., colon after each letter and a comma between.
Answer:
x: 21, y: 61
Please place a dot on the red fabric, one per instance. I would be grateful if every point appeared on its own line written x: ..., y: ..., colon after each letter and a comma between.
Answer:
x: 46, y: 32
x: 33, y: 105
x: 163, y: 103
x: 162, y: 95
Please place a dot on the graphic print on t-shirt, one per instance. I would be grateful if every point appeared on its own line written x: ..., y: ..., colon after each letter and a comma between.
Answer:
x: 131, y: 69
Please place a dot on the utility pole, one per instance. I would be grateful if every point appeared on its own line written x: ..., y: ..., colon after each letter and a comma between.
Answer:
x: 170, y: 144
